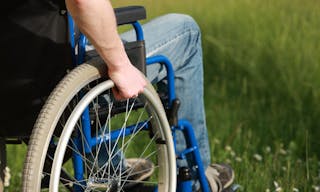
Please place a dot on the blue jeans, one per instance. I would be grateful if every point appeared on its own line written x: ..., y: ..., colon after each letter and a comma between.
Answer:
x: 178, y: 37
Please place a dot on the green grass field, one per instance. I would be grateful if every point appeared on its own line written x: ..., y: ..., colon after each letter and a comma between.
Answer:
x: 262, y: 89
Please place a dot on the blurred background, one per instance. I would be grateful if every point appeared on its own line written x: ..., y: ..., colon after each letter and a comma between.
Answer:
x: 262, y: 88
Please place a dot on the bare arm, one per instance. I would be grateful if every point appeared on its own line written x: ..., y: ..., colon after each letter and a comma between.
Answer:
x: 96, y: 19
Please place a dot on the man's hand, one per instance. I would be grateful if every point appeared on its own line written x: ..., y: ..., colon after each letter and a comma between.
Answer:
x: 129, y: 81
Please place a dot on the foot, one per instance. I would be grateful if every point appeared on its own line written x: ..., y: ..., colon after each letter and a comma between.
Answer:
x: 220, y: 177
x: 137, y: 170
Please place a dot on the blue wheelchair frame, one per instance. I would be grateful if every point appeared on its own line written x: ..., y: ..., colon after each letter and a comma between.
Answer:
x: 78, y: 44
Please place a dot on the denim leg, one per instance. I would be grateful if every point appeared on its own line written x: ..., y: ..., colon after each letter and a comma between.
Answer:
x: 178, y: 37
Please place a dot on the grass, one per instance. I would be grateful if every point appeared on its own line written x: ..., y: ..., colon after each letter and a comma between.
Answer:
x: 262, y: 88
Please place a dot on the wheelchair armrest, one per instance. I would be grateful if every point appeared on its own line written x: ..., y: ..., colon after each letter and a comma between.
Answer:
x: 125, y: 15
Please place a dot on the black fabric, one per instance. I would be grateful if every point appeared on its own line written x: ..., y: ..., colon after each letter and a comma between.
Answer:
x: 35, y: 55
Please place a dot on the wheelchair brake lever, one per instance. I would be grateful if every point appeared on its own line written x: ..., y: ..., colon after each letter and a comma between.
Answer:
x: 173, y: 112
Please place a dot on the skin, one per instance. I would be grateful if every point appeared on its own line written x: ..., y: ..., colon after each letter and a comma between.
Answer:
x: 96, y: 19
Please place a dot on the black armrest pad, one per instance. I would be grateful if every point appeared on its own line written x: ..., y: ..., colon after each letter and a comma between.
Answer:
x: 125, y: 15
x: 137, y: 55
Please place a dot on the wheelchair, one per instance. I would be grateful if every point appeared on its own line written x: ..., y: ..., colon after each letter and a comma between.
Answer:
x: 86, y: 140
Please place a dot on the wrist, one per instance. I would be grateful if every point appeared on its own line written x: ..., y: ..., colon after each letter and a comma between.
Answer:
x: 115, y: 57
x: 117, y: 61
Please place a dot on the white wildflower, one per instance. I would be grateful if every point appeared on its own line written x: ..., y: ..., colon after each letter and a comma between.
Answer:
x: 7, y: 177
x: 283, y: 152
x: 268, y: 149
x: 228, y: 148
x: 232, y: 153
x: 238, y: 159
x: 316, y: 188
x: 257, y: 157
x: 284, y: 168
x: 278, y: 189
x: 295, y: 189
x: 216, y: 141
x: 267, y: 190
x: 277, y: 186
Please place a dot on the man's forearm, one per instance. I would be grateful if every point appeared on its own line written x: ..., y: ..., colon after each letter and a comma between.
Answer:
x: 95, y: 18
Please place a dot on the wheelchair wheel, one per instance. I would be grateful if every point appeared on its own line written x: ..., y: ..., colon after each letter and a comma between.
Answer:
x: 84, y: 140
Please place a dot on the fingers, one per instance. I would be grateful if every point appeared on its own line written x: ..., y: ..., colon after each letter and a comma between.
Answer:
x: 129, y: 82
x: 126, y: 94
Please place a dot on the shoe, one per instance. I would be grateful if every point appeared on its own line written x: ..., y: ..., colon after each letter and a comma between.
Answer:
x: 138, y: 169
x: 220, y: 177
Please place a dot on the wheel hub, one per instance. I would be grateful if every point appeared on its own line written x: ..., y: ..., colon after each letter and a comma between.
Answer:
x: 102, y: 184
